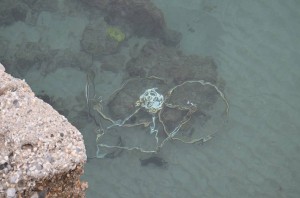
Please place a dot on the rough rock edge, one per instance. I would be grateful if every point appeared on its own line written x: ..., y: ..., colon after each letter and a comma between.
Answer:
x: 41, y: 153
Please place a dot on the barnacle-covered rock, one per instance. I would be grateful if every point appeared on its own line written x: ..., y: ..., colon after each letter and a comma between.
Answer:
x: 41, y: 153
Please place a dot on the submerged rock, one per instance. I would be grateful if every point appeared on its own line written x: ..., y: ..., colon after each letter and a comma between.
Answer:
x: 12, y: 11
x: 141, y: 16
x: 96, y: 42
x: 155, y: 59
x: 155, y: 160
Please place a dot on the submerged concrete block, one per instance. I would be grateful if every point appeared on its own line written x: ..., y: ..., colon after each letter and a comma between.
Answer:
x: 41, y: 153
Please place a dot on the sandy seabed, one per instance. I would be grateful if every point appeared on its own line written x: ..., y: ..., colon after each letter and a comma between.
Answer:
x: 256, y: 46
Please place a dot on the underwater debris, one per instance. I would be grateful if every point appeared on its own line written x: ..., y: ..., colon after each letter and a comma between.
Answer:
x: 90, y: 88
x: 126, y: 109
x: 116, y: 152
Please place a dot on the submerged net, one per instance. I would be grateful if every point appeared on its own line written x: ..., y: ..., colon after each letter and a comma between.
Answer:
x: 145, y: 113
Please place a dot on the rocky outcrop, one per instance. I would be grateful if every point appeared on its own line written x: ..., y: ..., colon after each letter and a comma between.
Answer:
x: 41, y: 153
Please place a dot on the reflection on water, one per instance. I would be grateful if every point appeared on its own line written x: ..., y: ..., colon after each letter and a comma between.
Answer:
x: 76, y: 55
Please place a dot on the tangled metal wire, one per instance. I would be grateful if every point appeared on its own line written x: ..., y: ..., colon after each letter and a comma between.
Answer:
x: 167, y: 111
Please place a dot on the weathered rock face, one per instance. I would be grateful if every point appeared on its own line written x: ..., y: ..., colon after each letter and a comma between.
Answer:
x: 41, y: 153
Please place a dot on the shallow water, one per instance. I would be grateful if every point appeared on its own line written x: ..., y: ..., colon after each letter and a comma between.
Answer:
x: 256, y: 46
